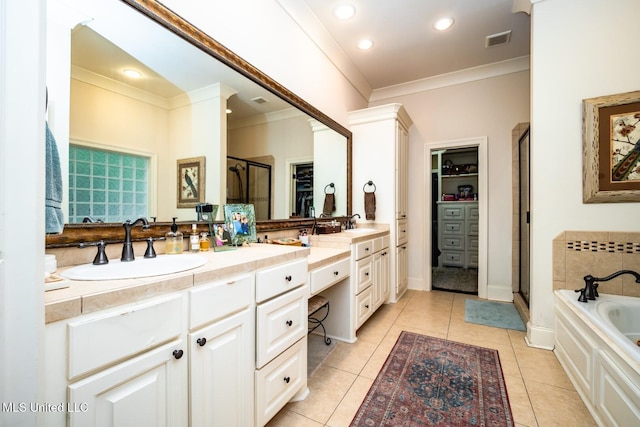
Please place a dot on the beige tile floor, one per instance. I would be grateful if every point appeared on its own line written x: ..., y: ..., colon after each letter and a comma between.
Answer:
x: 539, y: 391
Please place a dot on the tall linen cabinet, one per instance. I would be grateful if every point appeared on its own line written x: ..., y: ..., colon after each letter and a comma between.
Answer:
x: 380, y: 157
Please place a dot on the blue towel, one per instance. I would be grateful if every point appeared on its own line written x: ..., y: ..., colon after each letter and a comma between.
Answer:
x: 54, y: 219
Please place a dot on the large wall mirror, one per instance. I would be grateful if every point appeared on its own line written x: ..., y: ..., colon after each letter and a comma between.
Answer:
x: 191, y: 99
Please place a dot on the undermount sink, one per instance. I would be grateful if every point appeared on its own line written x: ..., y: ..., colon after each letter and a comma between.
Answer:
x: 140, y: 267
x: 360, y: 230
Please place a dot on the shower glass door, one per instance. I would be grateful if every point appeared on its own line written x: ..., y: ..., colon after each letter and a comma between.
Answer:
x: 249, y: 182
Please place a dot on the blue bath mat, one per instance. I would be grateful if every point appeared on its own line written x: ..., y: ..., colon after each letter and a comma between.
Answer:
x: 491, y: 313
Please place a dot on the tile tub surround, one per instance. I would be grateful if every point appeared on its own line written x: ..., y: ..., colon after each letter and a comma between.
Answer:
x: 599, y: 253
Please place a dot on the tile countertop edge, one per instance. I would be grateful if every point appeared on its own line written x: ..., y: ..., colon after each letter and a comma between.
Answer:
x: 83, y: 297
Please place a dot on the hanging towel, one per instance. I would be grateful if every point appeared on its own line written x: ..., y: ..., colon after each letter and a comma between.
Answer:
x: 54, y: 220
x: 329, y: 204
x: 370, y: 205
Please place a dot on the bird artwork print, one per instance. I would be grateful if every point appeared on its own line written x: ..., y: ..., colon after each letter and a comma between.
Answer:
x: 189, y: 189
x: 625, y: 153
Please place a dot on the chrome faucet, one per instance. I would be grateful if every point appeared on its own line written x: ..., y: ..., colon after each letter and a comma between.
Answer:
x: 348, y: 224
x: 590, y: 291
x: 127, y: 247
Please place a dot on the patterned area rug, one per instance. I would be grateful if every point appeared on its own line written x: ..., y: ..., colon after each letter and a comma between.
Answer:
x: 429, y: 381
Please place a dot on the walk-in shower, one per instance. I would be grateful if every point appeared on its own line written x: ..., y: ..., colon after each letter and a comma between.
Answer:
x: 249, y: 182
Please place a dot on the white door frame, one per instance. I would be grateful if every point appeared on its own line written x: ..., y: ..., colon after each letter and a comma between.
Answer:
x: 483, y: 192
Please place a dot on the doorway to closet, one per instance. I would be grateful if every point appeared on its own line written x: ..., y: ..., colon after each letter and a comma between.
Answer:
x: 456, y: 240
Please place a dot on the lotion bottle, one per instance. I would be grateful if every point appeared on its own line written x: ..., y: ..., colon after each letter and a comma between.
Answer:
x: 173, y: 241
x: 194, y: 239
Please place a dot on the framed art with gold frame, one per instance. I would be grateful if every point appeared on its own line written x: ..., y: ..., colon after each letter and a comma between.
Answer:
x: 611, y: 148
x: 191, y: 181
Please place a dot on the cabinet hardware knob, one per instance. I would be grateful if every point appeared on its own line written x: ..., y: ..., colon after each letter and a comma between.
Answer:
x: 366, y: 249
x: 366, y: 306
x: 287, y: 379
x: 178, y: 353
x: 287, y: 278
x: 336, y: 273
x: 201, y: 341
x: 289, y: 322
x: 366, y: 274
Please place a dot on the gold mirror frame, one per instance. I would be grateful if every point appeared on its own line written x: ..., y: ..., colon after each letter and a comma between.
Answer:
x: 74, y: 234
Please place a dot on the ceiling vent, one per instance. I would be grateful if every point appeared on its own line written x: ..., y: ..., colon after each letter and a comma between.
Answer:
x: 259, y: 100
x: 498, y: 39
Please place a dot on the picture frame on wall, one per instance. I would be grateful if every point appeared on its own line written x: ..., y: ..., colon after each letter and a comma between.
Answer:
x: 611, y: 148
x: 240, y: 220
x: 191, y: 182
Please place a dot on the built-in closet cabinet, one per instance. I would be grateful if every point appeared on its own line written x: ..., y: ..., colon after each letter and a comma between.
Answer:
x: 380, y: 156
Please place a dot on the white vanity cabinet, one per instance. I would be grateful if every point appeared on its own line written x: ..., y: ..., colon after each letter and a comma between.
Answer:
x: 125, y: 366
x: 380, y: 155
x: 281, y: 329
x: 371, y: 278
x: 221, y: 346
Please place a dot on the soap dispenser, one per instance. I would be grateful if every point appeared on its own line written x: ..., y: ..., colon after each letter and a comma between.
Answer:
x: 174, y: 242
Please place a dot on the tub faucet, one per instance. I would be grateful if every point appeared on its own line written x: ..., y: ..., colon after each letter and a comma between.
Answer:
x: 591, y: 284
x: 348, y: 224
x: 127, y: 247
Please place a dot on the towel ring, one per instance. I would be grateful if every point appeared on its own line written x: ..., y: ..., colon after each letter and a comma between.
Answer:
x: 370, y: 183
x: 330, y: 185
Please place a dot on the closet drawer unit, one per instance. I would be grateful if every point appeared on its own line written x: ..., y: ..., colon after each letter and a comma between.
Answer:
x: 453, y: 242
x: 472, y: 243
x: 472, y: 228
x: 279, y: 381
x: 452, y: 212
x: 402, y: 231
x: 363, y: 249
x: 364, y: 306
x: 364, y: 274
x: 322, y: 278
x: 114, y: 335
x: 472, y: 259
x: 282, y: 278
x: 279, y: 323
x: 453, y: 228
x: 472, y: 212
x: 215, y: 300
x: 453, y: 258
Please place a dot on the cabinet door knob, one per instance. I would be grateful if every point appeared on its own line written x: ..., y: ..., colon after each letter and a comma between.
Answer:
x: 287, y: 278
x: 366, y: 306
x: 178, y: 354
x: 335, y: 273
x: 366, y: 274
x: 201, y: 341
x: 289, y: 322
x: 366, y: 249
x: 287, y: 379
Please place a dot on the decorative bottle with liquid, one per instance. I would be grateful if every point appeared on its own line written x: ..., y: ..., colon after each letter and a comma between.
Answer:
x: 194, y: 239
x: 205, y: 243
x: 173, y: 240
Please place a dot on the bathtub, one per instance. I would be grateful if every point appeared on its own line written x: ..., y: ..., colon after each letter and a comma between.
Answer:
x: 595, y: 343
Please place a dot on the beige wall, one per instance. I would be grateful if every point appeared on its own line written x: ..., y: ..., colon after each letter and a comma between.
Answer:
x: 488, y: 107
x: 572, y: 59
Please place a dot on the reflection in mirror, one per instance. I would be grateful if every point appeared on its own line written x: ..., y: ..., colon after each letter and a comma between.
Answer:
x: 130, y: 132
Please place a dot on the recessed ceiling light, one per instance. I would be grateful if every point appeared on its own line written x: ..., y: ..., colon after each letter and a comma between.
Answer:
x: 443, y: 23
x: 365, y: 44
x: 132, y: 73
x: 344, y: 11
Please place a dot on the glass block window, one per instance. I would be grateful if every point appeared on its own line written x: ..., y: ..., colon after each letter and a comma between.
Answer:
x: 106, y: 185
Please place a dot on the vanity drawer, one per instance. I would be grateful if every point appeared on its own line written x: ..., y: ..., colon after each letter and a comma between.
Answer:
x: 364, y: 307
x: 453, y: 258
x: 364, y: 274
x: 402, y: 234
x: 453, y: 227
x: 282, y: 278
x: 113, y: 335
x: 212, y: 301
x: 279, y: 323
x: 452, y: 212
x: 279, y: 381
x: 363, y: 249
x: 322, y: 278
x: 453, y: 242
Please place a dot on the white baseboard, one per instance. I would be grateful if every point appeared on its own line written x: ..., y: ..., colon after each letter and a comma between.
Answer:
x: 540, y: 337
x: 499, y: 293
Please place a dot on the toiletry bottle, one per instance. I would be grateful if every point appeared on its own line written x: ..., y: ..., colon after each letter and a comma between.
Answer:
x: 205, y: 243
x: 194, y: 239
x: 174, y: 242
